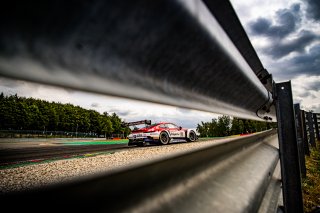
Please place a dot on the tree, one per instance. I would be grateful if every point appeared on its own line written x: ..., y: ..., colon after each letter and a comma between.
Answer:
x: 203, y: 129
x: 236, y: 126
x: 107, y: 126
x: 116, y: 123
x: 33, y: 114
x: 224, y: 126
x: 212, y: 128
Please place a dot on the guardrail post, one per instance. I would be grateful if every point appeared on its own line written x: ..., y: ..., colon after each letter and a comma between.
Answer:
x: 290, y: 168
x: 300, y: 140
x: 316, y: 125
x: 305, y: 133
x: 311, y: 129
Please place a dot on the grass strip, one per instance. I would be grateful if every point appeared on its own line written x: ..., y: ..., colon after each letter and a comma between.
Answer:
x: 124, y: 141
x: 311, y: 184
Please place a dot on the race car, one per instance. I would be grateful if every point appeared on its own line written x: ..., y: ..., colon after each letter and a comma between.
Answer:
x: 160, y: 133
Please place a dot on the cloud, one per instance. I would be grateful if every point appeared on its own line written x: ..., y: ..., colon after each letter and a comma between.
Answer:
x: 37, y: 91
x: 305, y: 91
x: 95, y: 105
x: 306, y: 94
x: 315, y: 108
x: 260, y: 26
x: 308, y: 63
x: 297, y: 65
x: 279, y: 49
x: 184, y: 110
x: 313, y: 9
x: 287, y: 21
x: 287, y: 50
x: 27, y: 89
x: 287, y: 42
x: 124, y: 112
x: 314, y: 86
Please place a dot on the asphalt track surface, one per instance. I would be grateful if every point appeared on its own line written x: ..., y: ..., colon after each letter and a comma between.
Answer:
x: 20, y: 151
x: 11, y: 154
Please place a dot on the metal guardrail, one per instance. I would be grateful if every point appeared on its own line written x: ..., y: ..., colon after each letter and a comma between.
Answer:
x: 316, y: 121
x: 309, y: 123
x: 289, y: 155
x: 232, y: 26
x: 172, y: 52
x: 192, y: 54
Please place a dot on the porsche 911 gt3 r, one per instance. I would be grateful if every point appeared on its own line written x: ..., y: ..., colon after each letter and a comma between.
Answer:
x: 161, y: 133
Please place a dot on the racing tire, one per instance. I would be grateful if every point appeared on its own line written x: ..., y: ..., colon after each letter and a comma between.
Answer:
x: 192, y: 136
x: 141, y: 144
x: 130, y: 142
x: 164, y: 138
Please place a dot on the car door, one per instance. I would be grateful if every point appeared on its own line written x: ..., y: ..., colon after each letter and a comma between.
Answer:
x: 175, y: 131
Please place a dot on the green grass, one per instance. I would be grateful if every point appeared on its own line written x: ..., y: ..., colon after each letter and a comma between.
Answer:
x: 311, y: 184
x: 123, y: 141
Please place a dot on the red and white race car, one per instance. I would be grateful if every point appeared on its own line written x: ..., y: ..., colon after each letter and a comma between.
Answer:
x: 161, y: 133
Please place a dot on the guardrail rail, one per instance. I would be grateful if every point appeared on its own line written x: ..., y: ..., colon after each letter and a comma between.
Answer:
x: 186, y: 53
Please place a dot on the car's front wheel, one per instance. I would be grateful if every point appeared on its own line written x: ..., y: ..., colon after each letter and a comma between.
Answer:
x: 164, y: 138
x: 192, y: 136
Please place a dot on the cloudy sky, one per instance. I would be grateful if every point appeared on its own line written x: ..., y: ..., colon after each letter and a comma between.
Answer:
x: 285, y: 34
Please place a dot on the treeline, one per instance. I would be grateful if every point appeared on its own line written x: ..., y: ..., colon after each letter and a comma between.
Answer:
x: 19, y: 113
x: 225, y: 126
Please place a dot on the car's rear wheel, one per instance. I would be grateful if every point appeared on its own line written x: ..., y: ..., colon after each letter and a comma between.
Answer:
x: 192, y: 136
x: 164, y: 138
x: 130, y: 142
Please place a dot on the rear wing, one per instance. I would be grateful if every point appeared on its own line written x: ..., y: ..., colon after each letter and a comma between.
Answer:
x: 148, y: 122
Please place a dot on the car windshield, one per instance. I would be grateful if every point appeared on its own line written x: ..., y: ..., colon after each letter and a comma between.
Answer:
x: 172, y: 126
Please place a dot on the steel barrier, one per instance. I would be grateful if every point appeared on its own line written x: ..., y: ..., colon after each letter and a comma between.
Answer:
x: 169, y: 51
x: 316, y: 120
x: 187, y: 53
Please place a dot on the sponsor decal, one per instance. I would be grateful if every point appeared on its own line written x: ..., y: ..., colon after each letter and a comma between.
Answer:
x: 174, y: 133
